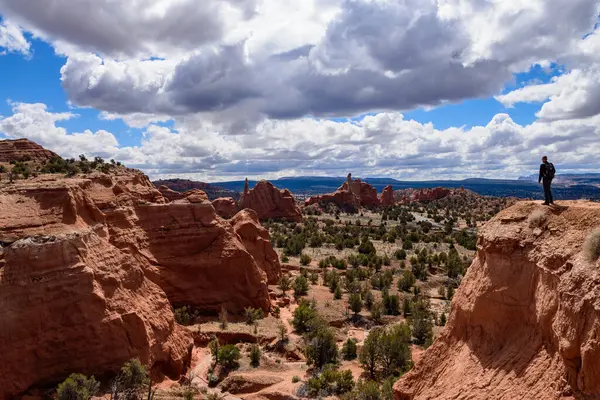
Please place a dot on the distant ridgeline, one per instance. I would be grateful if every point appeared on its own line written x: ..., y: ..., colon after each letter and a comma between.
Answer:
x: 212, y: 191
x: 566, y: 188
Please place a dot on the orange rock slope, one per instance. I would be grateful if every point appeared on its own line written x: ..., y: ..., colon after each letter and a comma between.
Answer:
x: 525, y: 323
x: 89, y: 270
x: 352, y: 195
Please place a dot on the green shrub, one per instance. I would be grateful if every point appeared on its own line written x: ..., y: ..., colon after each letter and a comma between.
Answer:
x: 356, y: 303
x: 133, y: 374
x: 229, y: 356
x: 254, y: 355
x: 182, y: 316
x: 349, y: 349
x: 253, y: 314
x: 330, y: 382
x: 321, y: 347
x: 305, y: 259
x: 285, y: 259
x: 300, y: 286
x: 303, y: 316
x: 337, y: 293
x: 295, y: 379
x: 77, y: 387
x: 284, y: 283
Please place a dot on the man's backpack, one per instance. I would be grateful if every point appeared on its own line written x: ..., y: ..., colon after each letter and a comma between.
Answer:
x: 550, y: 171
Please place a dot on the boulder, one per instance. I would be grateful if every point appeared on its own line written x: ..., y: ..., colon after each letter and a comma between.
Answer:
x: 524, y: 323
x: 258, y: 242
x: 226, y: 207
x: 270, y: 202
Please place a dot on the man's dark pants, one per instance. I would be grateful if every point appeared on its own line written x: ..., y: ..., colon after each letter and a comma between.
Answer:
x: 547, y: 190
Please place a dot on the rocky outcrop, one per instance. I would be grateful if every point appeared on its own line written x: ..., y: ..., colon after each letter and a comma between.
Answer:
x: 226, y: 207
x: 352, y: 195
x: 169, y: 194
x: 270, y: 202
x: 71, y: 301
x: 258, y: 242
x: 195, y: 196
x: 89, y: 267
x: 422, y: 195
x: 525, y: 321
x: 23, y: 150
x: 387, y: 196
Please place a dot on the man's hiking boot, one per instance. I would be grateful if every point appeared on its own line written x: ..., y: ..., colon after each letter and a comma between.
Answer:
x: 545, y: 204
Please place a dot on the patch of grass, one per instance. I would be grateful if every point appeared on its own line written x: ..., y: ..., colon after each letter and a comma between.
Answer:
x: 591, y: 247
x: 536, y: 218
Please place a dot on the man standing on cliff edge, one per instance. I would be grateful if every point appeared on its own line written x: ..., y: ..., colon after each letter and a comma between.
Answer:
x: 547, y: 172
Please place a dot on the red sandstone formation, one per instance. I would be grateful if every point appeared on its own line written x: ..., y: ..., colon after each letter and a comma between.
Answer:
x: 169, y: 194
x: 387, y: 196
x: 270, y: 202
x: 88, y: 267
x: 195, y: 196
x: 352, y: 194
x: 524, y: 323
x: 226, y: 207
x: 23, y: 150
x: 258, y: 242
x: 71, y: 301
x: 422, y: 195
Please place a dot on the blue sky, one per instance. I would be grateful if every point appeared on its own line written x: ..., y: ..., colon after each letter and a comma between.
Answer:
x: 216, y: 104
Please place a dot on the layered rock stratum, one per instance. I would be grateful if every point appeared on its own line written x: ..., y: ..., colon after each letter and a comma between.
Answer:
x: 23, y: 150
x: 90, y: 268
x: 525, y: 322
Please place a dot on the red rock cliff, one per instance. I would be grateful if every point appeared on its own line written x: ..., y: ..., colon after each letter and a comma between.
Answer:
x: 270, y: 202
x: 89, y: 267
x: 387, y: 196
x: 525, y: 322
x: 71, y: 301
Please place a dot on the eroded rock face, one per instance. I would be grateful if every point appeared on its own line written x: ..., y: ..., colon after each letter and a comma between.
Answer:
x: 23, y: 150
x: 72, y: 302
x: 270, y: 202
x: 192, y: 254
x: 387, y: 196
x: 89, y: 267
x: 258, y: 242
x: 226, y: 207
x: 524, y: 322
x: 352, y: 195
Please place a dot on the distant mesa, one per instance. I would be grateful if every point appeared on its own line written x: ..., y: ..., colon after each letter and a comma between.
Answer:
x: 525, y: 320
x: 23, y: 150
x: 270, y: 202
x: 423, y: 195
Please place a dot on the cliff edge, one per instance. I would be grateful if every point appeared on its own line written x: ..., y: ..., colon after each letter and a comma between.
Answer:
x: 525, y: 323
